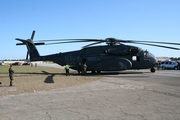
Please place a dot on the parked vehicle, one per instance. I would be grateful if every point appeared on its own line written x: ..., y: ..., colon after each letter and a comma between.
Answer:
x: 169, y: 65
x: 1, y: 63
x: 16, y: 63
x: 26, y: 63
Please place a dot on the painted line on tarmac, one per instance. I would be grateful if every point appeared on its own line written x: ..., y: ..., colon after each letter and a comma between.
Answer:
x: 127, y: 86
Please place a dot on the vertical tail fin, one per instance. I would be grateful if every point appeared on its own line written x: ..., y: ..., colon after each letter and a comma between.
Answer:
x: 32, y: 51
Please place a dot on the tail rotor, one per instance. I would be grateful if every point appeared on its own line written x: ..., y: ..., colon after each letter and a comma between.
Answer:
x: 32, y: 36
x: 32, y: 52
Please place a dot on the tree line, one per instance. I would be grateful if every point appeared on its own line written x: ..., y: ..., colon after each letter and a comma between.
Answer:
x: 175, y: 58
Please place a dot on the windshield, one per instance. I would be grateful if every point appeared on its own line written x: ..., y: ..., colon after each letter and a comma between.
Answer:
x: 148, y: 54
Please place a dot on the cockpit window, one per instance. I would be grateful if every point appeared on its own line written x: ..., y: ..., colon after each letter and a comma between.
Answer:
x: 146, y: 54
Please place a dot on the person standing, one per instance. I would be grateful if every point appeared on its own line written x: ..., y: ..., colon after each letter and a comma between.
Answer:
x: 84, y: 68
x: 11, y: 73
x: 67, y: 69
x: 79, y: 68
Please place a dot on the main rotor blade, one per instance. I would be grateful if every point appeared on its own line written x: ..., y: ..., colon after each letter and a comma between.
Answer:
x: 92, y: 44
x: 158, y: 46
x: 86, y: 40
x: 19, y: 39
x: 63, y: 42
x: 137, y: 41
x: 32, y: 36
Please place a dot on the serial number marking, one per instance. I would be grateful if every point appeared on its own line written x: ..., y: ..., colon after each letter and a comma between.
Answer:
x: 91, y: 59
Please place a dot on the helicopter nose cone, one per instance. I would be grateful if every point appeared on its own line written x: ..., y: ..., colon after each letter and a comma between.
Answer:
x: 154, y: 61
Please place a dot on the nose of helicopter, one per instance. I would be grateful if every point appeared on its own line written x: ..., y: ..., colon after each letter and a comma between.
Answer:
x: 154, y: 60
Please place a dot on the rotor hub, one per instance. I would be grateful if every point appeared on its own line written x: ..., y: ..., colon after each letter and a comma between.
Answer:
x: 111, y: 41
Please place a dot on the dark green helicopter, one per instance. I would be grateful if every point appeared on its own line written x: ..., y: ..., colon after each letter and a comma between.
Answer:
x: 114, y: 56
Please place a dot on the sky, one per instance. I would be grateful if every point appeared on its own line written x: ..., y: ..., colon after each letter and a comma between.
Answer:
x: 155, y: 20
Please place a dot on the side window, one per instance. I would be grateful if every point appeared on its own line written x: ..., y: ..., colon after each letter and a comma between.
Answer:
x: 134, y: 58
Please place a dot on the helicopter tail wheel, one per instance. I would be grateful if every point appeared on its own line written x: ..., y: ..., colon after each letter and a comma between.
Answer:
x: 152, y: 70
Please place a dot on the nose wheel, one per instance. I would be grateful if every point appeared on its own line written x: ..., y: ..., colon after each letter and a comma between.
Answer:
x: 152, y: 70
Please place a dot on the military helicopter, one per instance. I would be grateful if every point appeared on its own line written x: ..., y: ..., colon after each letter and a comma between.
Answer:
x: 114, y: 56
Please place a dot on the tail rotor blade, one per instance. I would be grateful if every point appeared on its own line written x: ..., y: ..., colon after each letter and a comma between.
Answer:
x: 32, y: 36
x: 19, y: 39
x: 27, y: 55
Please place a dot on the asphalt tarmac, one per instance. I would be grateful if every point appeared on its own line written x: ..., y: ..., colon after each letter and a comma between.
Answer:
x: 127, y: 95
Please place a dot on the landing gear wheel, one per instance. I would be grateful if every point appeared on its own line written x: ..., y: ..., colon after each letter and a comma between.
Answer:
x: 98, y: 72
x: 152, y: 70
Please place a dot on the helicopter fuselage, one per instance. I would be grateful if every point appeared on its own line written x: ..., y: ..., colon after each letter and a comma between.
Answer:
x: 104, y: 58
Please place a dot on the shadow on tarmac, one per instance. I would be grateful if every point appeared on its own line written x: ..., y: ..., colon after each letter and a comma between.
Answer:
x: 49, y: 78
